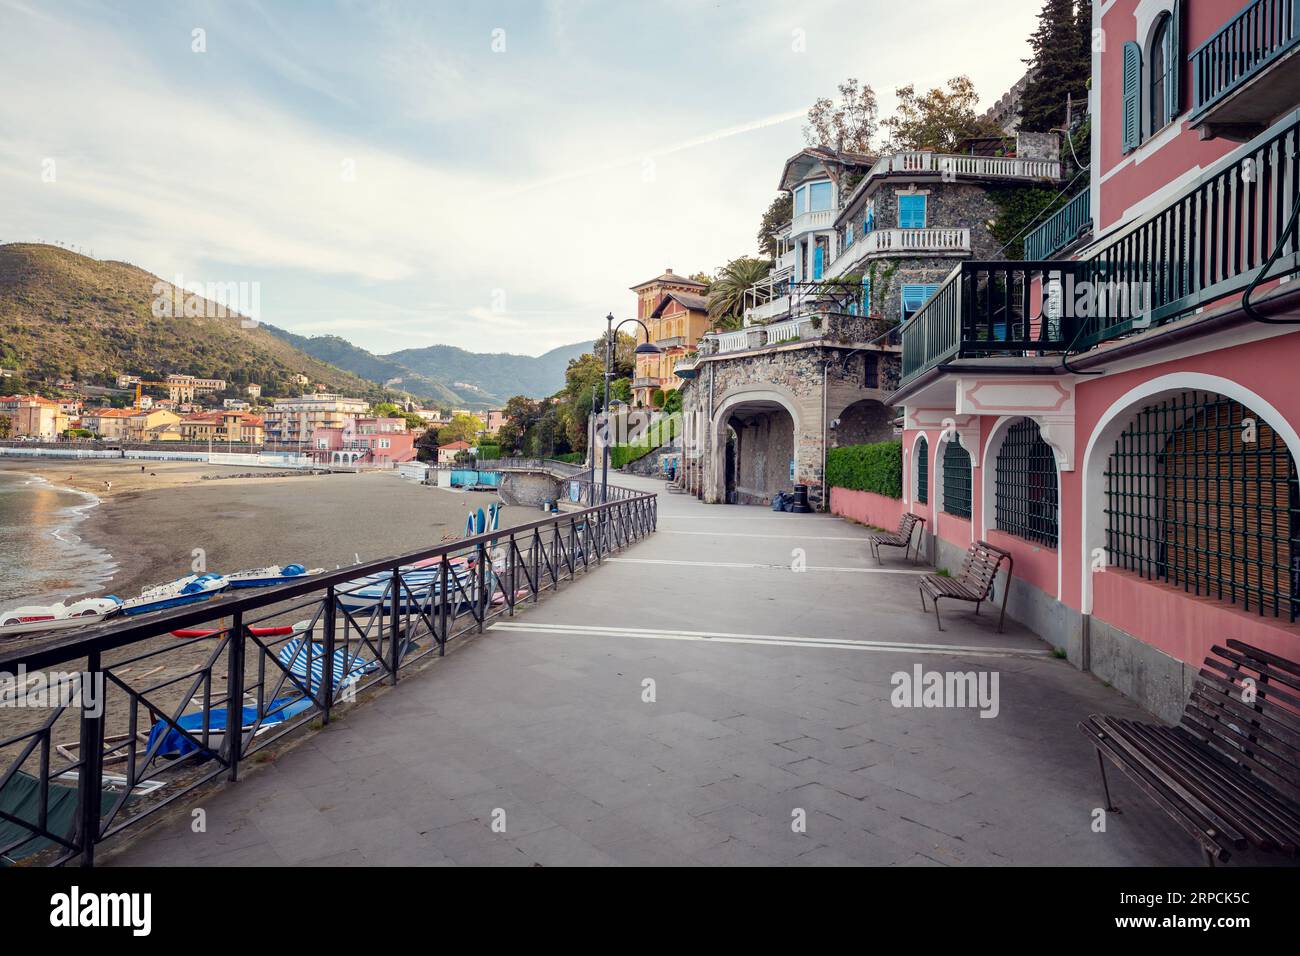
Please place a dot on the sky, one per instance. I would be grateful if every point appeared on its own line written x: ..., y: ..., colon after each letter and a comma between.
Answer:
x: 490, y: 175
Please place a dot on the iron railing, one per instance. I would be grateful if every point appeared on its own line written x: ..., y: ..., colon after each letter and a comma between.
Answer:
x: 1207, y: 244
x: 1259, y: 35
x: 1065, y: 226
x: 82, y: 770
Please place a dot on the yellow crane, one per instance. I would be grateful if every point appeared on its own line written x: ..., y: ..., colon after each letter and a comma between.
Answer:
x: 139, y: 386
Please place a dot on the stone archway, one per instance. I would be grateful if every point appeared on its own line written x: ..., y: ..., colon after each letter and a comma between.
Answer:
x: 862, y: 423
x: 765, y: 426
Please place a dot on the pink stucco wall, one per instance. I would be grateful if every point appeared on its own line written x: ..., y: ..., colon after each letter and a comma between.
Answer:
x: 867, y: 507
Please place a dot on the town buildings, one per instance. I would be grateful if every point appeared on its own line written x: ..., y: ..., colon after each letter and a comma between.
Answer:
x: 107, y: 423
x: 152, y: 424
x: 447, y: 453
x: 652, y: 372
x: 225, y: 425
x: 296, y: 419
x: 31, y: 416
x: 1119, y: 411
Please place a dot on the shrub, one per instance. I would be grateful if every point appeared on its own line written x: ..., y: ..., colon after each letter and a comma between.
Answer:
x: 489, y: 452
x: 572, y: 457
x: 877, y: 467
x: 620, y: 455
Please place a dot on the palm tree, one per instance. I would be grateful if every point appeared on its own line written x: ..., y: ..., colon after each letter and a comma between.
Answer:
x: 727, y: 293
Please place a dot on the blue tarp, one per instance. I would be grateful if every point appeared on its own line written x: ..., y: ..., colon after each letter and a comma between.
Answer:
x: 176, y: 744
x: 467, y: 478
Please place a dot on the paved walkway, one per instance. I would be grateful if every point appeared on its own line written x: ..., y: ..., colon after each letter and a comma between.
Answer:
x: 771, y: 706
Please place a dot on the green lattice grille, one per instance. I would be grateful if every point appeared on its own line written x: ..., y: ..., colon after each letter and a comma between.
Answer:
x: 1025, y: 501
x: 922, y: 471
x: 956, y: 479
x: 1190, y: 501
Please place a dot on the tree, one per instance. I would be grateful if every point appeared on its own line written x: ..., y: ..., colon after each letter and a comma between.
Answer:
x: 6, y: 426
x: 624, y: 351
x: 774, y: 220
x: 520, y: 414
x: 460, y: 428
x: 727, y: 295
x: 939, y: 120
x: 848, y: 125
x: 1060, y: 67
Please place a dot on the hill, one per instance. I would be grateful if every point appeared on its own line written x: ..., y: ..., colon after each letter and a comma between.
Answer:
x: 500, y: 374
x: 64, y: 315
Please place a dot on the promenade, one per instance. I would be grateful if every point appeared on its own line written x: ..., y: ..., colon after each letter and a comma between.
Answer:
x: 698, y: 701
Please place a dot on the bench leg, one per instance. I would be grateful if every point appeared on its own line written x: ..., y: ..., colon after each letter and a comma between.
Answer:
x: 1105, y: 787
x: 977, y: 607
x: 923, y: 607
x: 1006, y: 592
x: 1209, y: 857
x: 938, y: 623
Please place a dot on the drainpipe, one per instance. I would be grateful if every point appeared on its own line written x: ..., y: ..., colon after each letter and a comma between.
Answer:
x: 708, y: 430
x: 826, y: 492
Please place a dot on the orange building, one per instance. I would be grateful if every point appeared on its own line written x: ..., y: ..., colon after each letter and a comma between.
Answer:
x: 674, y: 309
x: 227, y: 425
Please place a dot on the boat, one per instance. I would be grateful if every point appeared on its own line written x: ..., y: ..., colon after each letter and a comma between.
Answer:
x: 266, y: 577
x: 187, y: 590
x: 419, y: 592
x: 53, y: 617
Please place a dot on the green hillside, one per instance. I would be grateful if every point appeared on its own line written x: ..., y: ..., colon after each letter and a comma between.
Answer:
x: 64, y: 315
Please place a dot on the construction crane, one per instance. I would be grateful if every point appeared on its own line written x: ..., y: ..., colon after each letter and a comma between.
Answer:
x: 140, y: 385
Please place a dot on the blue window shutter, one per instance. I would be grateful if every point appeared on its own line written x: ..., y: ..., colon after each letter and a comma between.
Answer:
x: 1132, y: 96
x: 911, y: 212
x: 817, y: 263
x: 866, y: 295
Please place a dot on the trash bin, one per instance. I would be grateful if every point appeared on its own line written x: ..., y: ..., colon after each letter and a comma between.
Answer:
x: 800, y: 506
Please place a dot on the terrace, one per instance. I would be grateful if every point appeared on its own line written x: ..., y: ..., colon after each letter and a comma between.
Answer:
x: 770, y: 695
x: 1207, y: 244
x: 1247, y: 73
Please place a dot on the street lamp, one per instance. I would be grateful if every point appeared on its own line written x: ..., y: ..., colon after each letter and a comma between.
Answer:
x: 645, y: 348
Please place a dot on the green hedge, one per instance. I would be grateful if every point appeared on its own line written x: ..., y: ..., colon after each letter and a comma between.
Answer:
x: 572, y: 457
x: 489, y: 452
x: 877, y: 467
x: 620, y: 455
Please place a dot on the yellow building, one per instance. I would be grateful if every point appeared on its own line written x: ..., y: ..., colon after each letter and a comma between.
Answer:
x: 153, y: 425
x: 224, y: 426
x: 33, y: 417
x: 110, y: 423
x: 674, y: 308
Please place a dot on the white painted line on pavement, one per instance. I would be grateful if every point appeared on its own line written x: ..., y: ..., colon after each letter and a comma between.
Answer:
x: 750, y: 566
x: 784, y: 537
x: 777, y: 640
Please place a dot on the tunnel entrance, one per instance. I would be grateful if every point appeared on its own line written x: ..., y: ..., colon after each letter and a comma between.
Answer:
x: 759, y: 453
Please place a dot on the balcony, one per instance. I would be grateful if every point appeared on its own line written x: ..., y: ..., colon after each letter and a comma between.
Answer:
x: 901, y: 242
x: 828, y: 325
x: 994, y: 167
x: 822, y: 220
x: 1248, y: 73
x: 1206, y: 244
x: 672, y: 342
x: 645, y: 382
x: 1065, y: 226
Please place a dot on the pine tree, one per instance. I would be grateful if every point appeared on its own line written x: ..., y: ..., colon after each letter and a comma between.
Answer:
x: 1061, y: 64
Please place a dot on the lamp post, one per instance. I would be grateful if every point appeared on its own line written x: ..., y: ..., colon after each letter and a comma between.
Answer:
x: 645, y: 348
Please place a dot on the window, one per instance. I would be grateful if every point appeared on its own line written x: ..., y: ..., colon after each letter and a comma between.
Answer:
x: 956, y: 479
x: 819, y: 196
x: 870, y: 370
x: 801, y: 200
x: 1191, y: 502
x: 848, y: 235
x: 911, y: 212
x: 866, y: 295
x: 820, y: 257
x: 915, y: 296
x: 1025, y: 485
x: 921, y: 463
x: 1132, y: 96
x: 1162, y: 65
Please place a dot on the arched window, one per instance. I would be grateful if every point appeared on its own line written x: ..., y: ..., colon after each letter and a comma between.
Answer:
x: 921, y: 464
x: 956, y: 479
x: 1163, y: 62
x: 1025, y: 501
x: 1201, y: 493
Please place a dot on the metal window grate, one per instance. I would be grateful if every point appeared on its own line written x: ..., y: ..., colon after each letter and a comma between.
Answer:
x: 1025, y: 490
x: 1191, y: 501
x: 922, y: 471
x: 956, y: 479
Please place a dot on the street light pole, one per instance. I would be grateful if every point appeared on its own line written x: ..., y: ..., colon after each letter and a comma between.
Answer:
x: 646, y: 348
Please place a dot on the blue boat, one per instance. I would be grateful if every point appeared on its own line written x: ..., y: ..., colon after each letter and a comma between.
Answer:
x: 187, y: 590
x: 420, y: 590
x: 267, y: 577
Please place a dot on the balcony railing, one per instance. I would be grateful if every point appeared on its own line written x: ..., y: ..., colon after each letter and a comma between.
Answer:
x: 915, y: 242
x: 1206, y: 244
x: 1065, y: 226
x: 1243, y: 48
x: 809, y: 221
x: 1001, y: 167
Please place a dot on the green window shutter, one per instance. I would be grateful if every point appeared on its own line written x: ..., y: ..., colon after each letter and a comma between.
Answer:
x: 1132, y: 96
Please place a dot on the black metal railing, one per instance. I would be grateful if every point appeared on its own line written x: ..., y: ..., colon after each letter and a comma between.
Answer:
x: 1259, y: 35
x: 1207, y: 244
x: 183, y: 697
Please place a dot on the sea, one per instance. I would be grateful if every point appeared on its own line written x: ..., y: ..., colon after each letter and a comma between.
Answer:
x: 42, y: 560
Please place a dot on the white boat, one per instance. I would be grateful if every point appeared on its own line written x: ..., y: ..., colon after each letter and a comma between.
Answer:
x: 266, y: 577
x: 186, y: 590
x: 53, y: 617
x: 419, y: 591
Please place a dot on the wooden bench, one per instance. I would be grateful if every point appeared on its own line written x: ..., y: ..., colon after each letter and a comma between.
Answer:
x: 1229, y: 773
x: 902, y: 538
x: 979, y: 573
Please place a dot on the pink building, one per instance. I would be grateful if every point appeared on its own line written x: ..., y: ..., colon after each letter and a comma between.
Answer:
x: 364, y: 441
x: 1108, y: 410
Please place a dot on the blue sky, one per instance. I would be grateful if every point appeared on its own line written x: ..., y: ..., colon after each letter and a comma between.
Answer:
x: 383, y: 173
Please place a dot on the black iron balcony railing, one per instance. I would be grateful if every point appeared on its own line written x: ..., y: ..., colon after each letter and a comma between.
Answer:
x: 77, y: 768
x: 1259, y: 35
x: 1065, y: 226
x: 1208, y: 243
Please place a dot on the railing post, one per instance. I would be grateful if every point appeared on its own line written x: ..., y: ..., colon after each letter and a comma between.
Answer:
x: 329, y: 623
x: 394, y: 616
x: 444, y: 601
x: 90, y: 784
x: 235, y: 695
x: 481, y: 599
x: 535, y: 550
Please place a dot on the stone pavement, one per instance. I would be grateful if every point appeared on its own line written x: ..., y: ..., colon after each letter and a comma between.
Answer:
x: 771, y: 706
